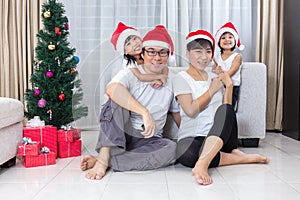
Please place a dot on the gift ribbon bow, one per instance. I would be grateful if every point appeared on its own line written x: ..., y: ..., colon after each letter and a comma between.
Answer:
x: 35, y: 122
x: 45, y: 150
x: 67, y: 127
x: 27, y: 140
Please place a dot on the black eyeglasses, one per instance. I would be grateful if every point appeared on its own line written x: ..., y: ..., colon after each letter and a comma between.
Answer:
x: 162, y: 53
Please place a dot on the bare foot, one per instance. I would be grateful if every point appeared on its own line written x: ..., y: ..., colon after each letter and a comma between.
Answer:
x: 98, y: 171
x: 260, y: 158
x: 200, y: 172
x: 237, y: 152
x: 87, y: 162
x: 252, y: 158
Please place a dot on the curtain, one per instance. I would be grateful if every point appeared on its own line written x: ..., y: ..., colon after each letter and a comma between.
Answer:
x: 92, y: 23
x: 269, y: 50
x: 20, y: 23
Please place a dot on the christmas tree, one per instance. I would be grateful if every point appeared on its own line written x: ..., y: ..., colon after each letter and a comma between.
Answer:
x: 56, y: 93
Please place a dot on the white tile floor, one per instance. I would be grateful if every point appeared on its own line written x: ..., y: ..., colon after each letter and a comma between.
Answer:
x: 280, y: 179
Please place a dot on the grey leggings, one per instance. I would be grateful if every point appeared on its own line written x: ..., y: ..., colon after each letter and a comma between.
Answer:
x: 225, y: 126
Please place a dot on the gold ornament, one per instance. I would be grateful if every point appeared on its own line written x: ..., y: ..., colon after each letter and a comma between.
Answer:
x: 51, y: 46
x: 47, y: 14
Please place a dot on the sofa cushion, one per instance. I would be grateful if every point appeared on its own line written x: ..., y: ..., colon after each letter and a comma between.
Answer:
x: 11, y: 111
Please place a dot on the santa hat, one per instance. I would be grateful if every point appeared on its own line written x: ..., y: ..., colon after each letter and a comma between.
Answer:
x: 229, y: 27
x: 200, y: 34
x: 159, y: 36
x: 121, y: 33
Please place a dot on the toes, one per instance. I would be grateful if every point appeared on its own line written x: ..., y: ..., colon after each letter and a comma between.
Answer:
x: 94, y: 176
x: 83, y: 166
x: 266, y: 160
x: 87, y: 162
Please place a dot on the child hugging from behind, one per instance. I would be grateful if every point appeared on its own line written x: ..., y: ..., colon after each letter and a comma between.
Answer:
x: 127, y: 40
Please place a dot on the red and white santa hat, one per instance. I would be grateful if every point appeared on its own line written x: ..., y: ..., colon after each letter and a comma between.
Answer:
x: 121, y: 33
x: 229, y: 27
x: 159, y: 36
x: 200, y: 34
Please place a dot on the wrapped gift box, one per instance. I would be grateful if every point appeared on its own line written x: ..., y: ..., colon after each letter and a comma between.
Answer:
x: 40, y: 160
x: 69, y: 149
x: 29, y: 149
x: 46, y: 135
x: 69, y: 135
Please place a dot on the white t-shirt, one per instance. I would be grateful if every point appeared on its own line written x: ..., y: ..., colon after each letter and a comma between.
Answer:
x: 158, y: 101
x: 226, y: 64
x: 200, y: 125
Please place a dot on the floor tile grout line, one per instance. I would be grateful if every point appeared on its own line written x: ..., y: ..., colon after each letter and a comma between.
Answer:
x: 228, y: 184
x: 167, y: 183
x: 50, y: 180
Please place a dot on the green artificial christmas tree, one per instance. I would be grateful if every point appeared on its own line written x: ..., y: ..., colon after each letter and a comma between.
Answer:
x: 56, y: 93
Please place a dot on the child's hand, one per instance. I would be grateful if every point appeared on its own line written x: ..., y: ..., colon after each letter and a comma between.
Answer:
x: 156, y: 84
x: 217, y: 70
x: 164, y: 79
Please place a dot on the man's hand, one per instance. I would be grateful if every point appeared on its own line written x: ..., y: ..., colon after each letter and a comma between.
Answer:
x: 149, y: 125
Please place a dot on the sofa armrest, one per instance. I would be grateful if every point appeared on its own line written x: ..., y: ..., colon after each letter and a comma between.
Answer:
x: 251, y: 111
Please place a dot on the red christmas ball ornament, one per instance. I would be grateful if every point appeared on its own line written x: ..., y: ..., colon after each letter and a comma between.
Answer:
x: 61, y: 97
x: 57, y: 31
x: 72, y: 71
x: 49, y: 74
x: 36, y: 92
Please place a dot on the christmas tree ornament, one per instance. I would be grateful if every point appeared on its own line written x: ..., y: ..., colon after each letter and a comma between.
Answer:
x: 50, y: 114
x: 72, y: 71
x: 61, y: 96
x: 76, y: 59
x: 42, y: 103
x: 47, y: 14
x: 67, y: 26
x: 51, y: 46
x: 57, y: 31
x: 58, y: 61
x: 49, y: 74
x: 75, y: 90
x: 36, y: 92
x: 37, y: 64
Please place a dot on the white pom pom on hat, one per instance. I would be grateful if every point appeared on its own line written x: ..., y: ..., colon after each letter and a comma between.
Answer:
x: 229, y: 27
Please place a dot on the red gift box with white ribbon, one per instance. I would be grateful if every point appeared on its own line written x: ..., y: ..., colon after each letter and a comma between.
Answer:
x: 43, y: 159
x: 69, y: 149
x: 29, y: 149
x: 46, y: 135
x: 68, y: 135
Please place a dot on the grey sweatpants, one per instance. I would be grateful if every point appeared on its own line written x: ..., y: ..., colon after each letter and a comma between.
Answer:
x: 129, y: 150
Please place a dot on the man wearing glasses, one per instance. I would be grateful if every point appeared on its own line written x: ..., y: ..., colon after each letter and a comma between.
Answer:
x: 137, y: 143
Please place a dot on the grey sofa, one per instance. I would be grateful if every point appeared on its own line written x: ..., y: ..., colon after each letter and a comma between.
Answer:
x: 11, y: 130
